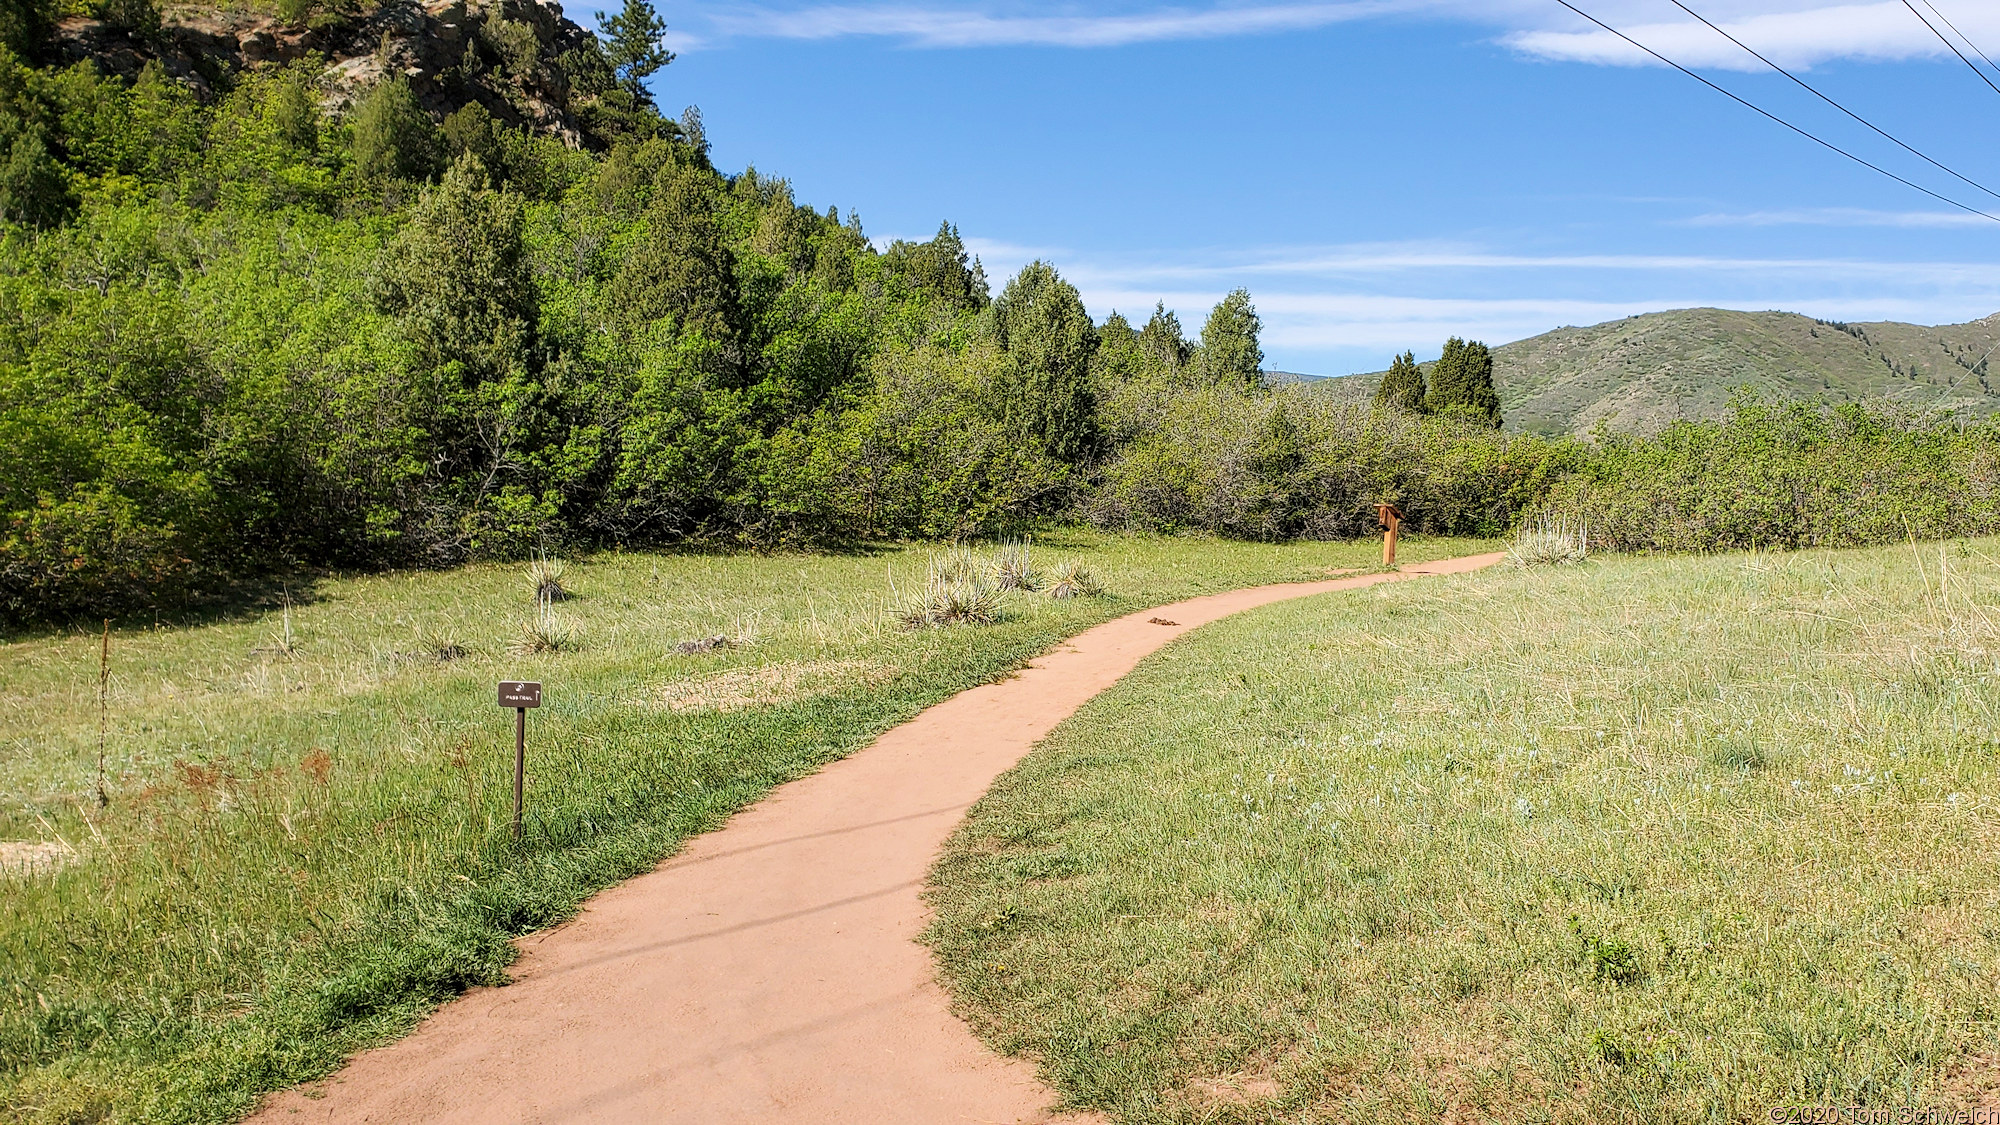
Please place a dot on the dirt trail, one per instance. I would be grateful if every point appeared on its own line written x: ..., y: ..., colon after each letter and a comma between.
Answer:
x: 770, y: 972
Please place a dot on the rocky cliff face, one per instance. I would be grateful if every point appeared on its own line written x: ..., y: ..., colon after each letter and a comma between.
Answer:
x: 520, y: 59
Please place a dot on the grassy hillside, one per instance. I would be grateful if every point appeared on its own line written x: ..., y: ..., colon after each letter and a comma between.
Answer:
x: 1673, y: 839
x: 1640, y: 373
x: 306, y: 843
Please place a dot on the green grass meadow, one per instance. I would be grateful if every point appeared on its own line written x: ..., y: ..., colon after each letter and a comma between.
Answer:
x: 1641, y: 840
x: 307, y: 841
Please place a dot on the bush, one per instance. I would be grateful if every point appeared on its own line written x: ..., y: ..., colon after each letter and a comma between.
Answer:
x: 1789, y: 476
x: 1298, y: 464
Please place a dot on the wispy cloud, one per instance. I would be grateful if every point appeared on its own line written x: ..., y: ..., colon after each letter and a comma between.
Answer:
x: 1375, y: 260
x: 963, y: 27
x: 1797, y: 33
x: 1333, y: 308
x: 1883, y: 32
x: 1840, y: 217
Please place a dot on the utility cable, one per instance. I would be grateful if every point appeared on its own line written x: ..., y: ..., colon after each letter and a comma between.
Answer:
x: 1962, y: 35
x: 1774, y: 117
x: 1808, y: 88
x: 1946, y: 42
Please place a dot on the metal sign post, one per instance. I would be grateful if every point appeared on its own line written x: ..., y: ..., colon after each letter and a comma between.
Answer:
x: 520, y: 695
x: 1392, y: 521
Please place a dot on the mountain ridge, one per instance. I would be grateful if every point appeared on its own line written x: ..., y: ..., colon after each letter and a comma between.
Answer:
x: 1641, y: 373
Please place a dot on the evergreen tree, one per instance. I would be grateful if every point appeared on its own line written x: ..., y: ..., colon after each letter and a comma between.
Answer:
x: 33, y: 189
x: 25, y: 26
x: 941, y: 268
x: 1403, y: 387
x: 1461, y: 383
x: 1118, y: 331
x: 1163, y: 340
x: 632, y: 47
x: 684, y: 269
x: 1229, y: 348
x: 1048, y: 337
x: 457, y: 276
x: 393, y: 136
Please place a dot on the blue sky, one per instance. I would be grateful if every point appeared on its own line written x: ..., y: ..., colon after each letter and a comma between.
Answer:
x: 1378, y: 175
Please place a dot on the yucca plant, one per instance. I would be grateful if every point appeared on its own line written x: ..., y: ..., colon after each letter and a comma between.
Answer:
x: 545, y: 633
x: 1549, y: 541
x: 954, y: 563
x: 1013, y: 569
x: 1074, y: 580
x: 545, y: 579
x: 952, y: 601
x: 956, y: 592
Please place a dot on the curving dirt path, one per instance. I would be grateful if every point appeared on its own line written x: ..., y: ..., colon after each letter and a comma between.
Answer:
x: 770, y: 972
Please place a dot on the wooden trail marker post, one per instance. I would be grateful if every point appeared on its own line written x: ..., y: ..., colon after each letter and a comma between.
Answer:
x: 520, y: 695
x: 1392, y: 521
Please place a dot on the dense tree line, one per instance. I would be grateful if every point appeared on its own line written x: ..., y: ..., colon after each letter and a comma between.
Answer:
x: 247, y: 335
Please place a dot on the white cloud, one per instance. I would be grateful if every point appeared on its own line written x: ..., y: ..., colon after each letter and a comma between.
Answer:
x: 1882, y: 32
x: 1335, y: 308
x: 1841, y: 217
x: 961, y: 27
x: 1796, y: 33
x: 1374, y: 260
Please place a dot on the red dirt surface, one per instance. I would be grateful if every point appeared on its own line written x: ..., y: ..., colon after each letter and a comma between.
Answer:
x: 770, y: 972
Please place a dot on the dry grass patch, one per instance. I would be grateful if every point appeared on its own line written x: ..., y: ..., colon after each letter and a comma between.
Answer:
x: 771, y: 684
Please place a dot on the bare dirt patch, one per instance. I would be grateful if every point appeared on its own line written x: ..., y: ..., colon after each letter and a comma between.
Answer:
x: 28, y: 857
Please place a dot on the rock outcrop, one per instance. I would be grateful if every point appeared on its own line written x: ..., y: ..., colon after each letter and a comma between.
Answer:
x: 517, y: 58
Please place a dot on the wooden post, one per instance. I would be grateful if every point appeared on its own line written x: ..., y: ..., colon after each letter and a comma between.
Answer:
x: 1392, y: 521
x: 103, y: 710
x: 520, y: 762
x: 520, y: 695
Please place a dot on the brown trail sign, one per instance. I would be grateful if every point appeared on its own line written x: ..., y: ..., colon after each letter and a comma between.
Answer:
x: 1392, y: 522
x: 520, y: 695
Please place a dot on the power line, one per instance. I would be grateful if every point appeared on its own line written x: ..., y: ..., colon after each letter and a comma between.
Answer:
x: 1960, y: 34
x: 1808, y: 88
x: 1946, y: 42
x: 1774, y: 117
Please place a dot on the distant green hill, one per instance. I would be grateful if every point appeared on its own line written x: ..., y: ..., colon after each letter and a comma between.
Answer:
x: 1640, y: 373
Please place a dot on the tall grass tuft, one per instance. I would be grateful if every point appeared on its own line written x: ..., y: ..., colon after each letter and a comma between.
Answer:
x: 1549, y: 541
x: 433, y: 647
x: 545, y: 579
x: 544, y: 634
x: 1074, y: 580
x: 1013, y: 569
x: 954, y: 563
